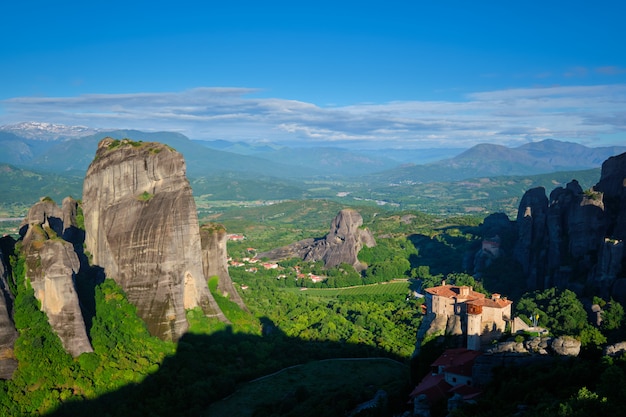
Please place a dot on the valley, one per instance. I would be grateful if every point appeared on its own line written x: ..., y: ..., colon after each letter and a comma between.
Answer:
x: 324, y: 333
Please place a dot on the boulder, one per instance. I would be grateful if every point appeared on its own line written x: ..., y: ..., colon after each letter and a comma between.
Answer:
x: 615, y: 349
x: 566, y: 346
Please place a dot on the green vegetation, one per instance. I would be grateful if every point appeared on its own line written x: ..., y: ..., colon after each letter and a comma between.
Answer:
x: 313, y: 389
x: 565, y: 388
x: 385, y: 289
x: 293, y: 322
x: 145, y: 196
x: 116, y: 143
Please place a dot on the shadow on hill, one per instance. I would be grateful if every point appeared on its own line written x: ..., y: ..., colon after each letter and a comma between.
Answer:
x: 207, y: 368
x: 443, y: 253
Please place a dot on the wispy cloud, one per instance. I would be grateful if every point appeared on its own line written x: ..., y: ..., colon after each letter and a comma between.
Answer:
x: 509, y: 117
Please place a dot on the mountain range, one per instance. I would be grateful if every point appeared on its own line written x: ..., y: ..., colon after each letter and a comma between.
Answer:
x: 65, y: 149
x: 49, y: 159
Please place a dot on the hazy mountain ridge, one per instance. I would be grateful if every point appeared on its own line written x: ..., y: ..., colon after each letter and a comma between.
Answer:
x: 497, y: 160
x: 58, y: 148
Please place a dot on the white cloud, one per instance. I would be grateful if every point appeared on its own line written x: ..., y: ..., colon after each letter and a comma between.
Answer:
x: 509, y: 117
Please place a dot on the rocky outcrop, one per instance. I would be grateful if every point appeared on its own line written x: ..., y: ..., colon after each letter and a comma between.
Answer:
x: 341, y: 245
x: 141, y: 226
x: 213, y: 240
x: 51, y: 268
x: 497, y: 232
x: 576, y: 237
x: 566, y: 346
x: 616, y: 349
x: 561, y: 346
x: 8, y: 334
x: 531, y: 220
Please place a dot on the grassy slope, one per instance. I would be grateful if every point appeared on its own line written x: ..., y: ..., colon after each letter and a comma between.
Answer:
x: 313, y: 384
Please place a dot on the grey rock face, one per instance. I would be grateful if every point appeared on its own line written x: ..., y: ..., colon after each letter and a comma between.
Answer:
x: 51, y: 267
x: 215, y: 260
x: 615, y: 349
x: 566, y: 346
x: 531, y: 221
x: 576, y: 233
x: 8, y: 334
x: 613, y: 186
x: 341, y: 245
x: 141, y: 226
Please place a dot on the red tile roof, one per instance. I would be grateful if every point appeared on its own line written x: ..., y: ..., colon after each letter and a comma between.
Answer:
x: 458, y: 361
x: 434, y: 386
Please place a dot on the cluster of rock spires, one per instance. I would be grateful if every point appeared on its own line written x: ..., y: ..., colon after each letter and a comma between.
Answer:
x: 142, y: 230
x: 341, y: 245
x: 575, y: 237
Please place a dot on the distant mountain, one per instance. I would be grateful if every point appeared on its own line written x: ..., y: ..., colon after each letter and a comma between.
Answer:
x: 47, y: 131
x: 496, y: 160
x: 317, y: 160
x: 20, y: 186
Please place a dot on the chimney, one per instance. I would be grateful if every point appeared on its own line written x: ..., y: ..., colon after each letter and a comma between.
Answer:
x: 495, y: 296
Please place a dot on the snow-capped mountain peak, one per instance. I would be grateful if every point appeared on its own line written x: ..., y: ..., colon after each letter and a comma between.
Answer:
x: 47, y: 131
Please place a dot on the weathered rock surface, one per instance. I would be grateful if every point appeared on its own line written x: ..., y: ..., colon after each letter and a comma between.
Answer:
x: 141, y: 226
x: 341, y: 245
x: 576, y: 235
x: 531, y: 221
x: 215, y: 260
x: 615, y: 349
x: 51, y: 268
x: 8, y: 334
x: 566, y: 346
x: 562, y: 346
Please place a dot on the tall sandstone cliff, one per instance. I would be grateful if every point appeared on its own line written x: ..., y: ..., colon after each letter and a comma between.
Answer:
x: 51, y: 268
x: 215, y: 260
x: 341, y: 245
x: 575, y: 237
x: 141, y: 226
x: 8, y: 334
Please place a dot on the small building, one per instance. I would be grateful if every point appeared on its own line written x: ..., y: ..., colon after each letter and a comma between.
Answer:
x: 483, y: 319
x: 450, y: 373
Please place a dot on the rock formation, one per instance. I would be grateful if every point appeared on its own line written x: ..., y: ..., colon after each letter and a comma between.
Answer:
x: 141, y: 226
x: 8, y: 334
x: 215, y: 260
x: 341, y: 245
x: 51, y: 268
x: 576, y: 237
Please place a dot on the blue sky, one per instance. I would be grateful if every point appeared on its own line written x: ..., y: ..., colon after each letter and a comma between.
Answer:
x: 394, y: 73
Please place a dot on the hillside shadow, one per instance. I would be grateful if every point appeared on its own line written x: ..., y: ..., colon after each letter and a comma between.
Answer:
x: 208, y: 368
x: 440, y: 253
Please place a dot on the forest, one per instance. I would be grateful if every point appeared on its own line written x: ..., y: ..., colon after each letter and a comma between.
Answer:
x: 291, y: 322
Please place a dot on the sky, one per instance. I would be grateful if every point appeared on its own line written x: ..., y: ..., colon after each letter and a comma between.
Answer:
x: 402, y: 74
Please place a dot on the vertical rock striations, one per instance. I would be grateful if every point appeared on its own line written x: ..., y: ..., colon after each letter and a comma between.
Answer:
x: 8, y: 334
x: 576, y: 237
x: 141, y: 226
x: 215, y: 260
x: 51, y: 268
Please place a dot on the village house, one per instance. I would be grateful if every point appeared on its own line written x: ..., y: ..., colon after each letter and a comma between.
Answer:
x: 450, y: 374
x: 482, y: 319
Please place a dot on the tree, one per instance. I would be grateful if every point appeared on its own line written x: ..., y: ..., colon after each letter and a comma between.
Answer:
x: 612, y: 315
